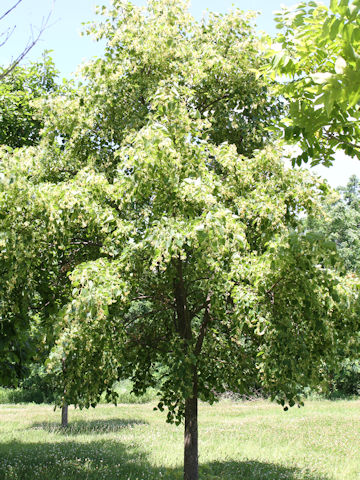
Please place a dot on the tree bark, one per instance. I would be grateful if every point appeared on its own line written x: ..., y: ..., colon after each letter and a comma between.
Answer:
x: 191, y: 466
x: 64, y: 415
x: 64, y: 408
x: 191, y: 460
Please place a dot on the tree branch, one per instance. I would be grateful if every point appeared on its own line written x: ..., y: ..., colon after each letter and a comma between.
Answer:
x: 203, y: 328
x: 10, y: 10
x: 8, y: 34
x: 208, y: 105
x: 32, y: 42
x: 332, y: 136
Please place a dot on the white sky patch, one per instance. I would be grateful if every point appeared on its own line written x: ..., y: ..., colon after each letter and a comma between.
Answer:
x: 338, y: 174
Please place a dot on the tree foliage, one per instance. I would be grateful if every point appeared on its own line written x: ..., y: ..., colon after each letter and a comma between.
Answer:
x: 19, y: 125
x: 317, y: 58
x: 160, y: 236
x: 341, y: 222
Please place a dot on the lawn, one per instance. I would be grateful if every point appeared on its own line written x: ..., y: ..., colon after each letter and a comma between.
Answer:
x: 242, y: 441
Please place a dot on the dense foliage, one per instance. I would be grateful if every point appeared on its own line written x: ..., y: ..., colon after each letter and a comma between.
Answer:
x: 340, y: 224
x: 157, y: 229
x: 317, y: 57
x: 19, y: 124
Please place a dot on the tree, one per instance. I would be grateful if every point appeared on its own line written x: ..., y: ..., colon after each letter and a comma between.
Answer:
x: 341, y: 223
x: 161, y: 236
x: 19, y: 126
x: 317, y: 59
x: 233, y: 297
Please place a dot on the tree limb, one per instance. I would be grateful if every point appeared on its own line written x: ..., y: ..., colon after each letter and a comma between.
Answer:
x: 203, y: 328
x: 10, y: 10
x: 205, y: 107
x: 332, y: 136
x: 32, y: 42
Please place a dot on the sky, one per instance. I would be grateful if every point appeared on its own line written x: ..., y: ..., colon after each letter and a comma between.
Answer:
x: 70, y: 49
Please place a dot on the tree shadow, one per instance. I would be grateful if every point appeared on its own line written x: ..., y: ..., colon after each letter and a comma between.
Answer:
x: 110, y: 460
x: 91, y: 427
x: 255, y: 470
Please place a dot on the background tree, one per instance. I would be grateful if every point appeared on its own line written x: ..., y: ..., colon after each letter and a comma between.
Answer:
x: 340, y: 224
x: 318, y: 61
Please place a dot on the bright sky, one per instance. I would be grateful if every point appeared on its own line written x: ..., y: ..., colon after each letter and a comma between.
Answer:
x: 69, y: 49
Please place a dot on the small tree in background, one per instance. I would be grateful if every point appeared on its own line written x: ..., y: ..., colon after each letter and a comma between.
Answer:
x: 340, y: 224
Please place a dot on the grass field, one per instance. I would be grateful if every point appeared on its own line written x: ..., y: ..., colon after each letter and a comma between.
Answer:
x: 242, y: 441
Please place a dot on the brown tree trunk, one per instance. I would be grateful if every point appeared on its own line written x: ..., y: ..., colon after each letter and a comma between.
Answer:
x: 64, y: 408
x: 64, y: 415
x: 183, y: 325
x: 191, y: 461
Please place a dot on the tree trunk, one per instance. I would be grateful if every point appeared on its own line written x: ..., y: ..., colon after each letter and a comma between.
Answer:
x: 191, y: 461
x: 64, y: 408
x: 183, y: 326
x: 64, y: 415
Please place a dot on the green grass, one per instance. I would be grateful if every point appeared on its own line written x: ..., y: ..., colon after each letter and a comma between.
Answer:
x: 238, y: 441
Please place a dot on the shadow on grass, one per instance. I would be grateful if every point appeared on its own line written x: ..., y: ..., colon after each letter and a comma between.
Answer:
x: 91, y: 427
x: 113, y: 460
x: 254, y: 470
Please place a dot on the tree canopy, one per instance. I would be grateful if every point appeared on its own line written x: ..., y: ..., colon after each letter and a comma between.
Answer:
x: 317, y: 58
x: 160, y: 228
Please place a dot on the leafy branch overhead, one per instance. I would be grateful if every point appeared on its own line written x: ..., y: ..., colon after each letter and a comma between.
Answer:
x: 317, y: 60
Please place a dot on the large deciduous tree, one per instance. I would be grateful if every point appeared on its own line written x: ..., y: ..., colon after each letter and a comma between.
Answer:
x: 318, y: 62
x: 180, y: 237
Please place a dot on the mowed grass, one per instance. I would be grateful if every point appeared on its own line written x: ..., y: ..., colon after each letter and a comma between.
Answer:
x: 237, y: 441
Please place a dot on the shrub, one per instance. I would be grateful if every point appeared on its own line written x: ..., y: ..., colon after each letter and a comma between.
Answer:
x: 347, y: 380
